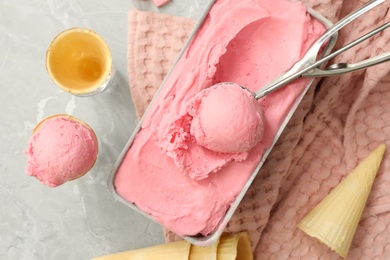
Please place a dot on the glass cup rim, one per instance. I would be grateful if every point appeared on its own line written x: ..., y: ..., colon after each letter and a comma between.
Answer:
x: 102, y: 83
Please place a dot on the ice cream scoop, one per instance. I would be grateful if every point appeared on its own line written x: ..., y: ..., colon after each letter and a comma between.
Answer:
x: 220, y: 124
x: 308, y: 65
x: 227, y: 119
x: 61, y: 148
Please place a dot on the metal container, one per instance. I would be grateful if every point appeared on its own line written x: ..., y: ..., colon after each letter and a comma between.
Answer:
x: 213, y: 237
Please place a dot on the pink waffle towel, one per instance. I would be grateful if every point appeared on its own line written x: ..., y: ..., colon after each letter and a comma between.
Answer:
x: 338, y: 123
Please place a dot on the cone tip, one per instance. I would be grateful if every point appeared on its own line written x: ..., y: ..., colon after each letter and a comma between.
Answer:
x: 327, y: 222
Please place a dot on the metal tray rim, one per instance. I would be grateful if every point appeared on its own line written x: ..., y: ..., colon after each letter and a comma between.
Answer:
x: 213, y: 237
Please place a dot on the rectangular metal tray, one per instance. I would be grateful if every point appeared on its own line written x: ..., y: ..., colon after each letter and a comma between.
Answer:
x: 213, y: 237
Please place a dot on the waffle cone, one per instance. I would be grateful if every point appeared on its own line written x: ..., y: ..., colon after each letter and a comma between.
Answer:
x: 204, y: 252
x: 174, y: 251
x: 235, y: 247
x: 335, y: 219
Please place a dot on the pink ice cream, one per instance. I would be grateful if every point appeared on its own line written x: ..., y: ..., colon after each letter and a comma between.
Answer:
x: 61, y: 149
x: 159, y: 3
x: 227, y: 120
x: 221, y: 123
x: 248, y: 42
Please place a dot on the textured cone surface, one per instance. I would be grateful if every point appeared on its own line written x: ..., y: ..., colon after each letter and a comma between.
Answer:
x: 335, y: 219
x: 172, y: 251
x: 204, y: 252
x: 235, y: 247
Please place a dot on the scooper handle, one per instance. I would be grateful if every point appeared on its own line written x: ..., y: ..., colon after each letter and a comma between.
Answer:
x: 308, y: 62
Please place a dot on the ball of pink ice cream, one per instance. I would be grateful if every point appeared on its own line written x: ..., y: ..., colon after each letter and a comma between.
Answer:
x: 228, y: 119
x: 61, y: 148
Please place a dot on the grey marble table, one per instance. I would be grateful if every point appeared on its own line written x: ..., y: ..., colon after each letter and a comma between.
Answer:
x: 79, y: 219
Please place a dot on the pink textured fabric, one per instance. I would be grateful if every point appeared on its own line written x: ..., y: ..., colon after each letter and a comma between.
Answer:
x: 338, y: 123
x: 154, y: 41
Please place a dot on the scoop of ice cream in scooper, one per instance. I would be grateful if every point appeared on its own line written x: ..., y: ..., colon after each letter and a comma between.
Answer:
x: 223, y: 123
